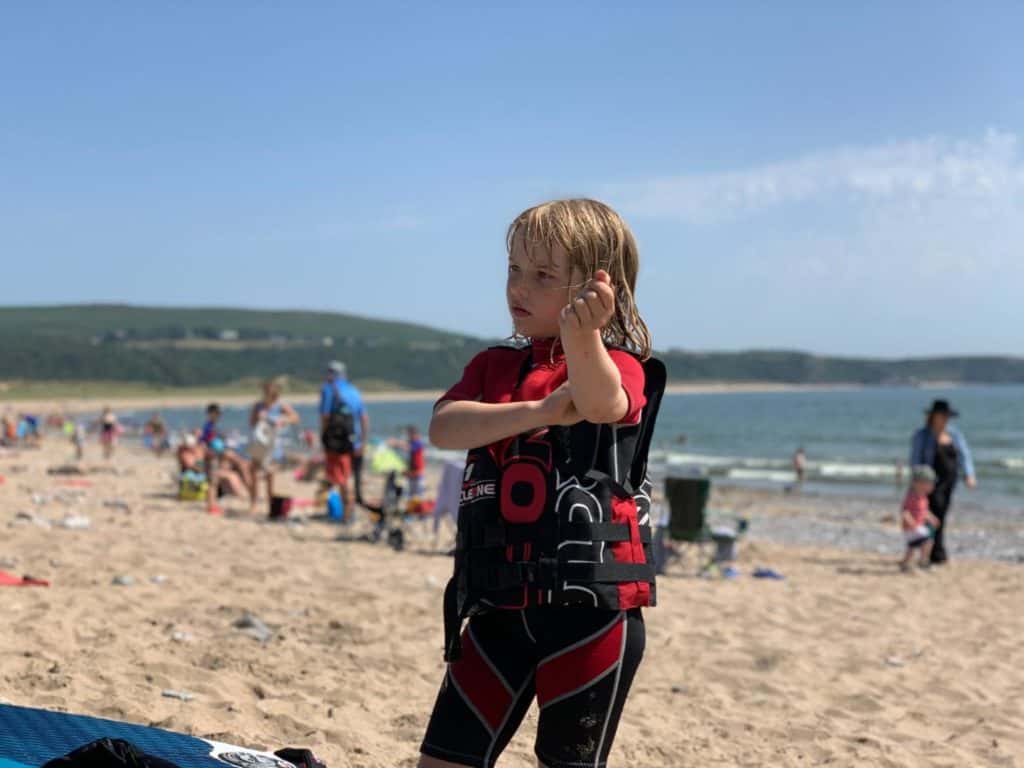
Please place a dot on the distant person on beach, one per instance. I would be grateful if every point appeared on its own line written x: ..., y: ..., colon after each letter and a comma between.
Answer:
x: 918, y: 522
x: 155, y: 434
x: 9, y: 426
x: 269, y: 415
x: 799, y: 465
x: 344, y: 430
x: 77, y: 435
x: 416, y: 464
x: 940, y: 446
x: 196, y: 464
x: 214, y: 440
x: 554, y: 431
x: 109, y: 431
x: 30, y: 430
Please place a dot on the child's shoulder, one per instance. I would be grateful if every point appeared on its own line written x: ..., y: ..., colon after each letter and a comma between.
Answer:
x: 501, y: 353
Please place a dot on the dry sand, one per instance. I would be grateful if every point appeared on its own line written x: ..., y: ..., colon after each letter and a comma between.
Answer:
x: 844, y: 663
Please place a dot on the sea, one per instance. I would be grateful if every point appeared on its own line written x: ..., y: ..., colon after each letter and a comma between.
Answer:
x: 856, y: 440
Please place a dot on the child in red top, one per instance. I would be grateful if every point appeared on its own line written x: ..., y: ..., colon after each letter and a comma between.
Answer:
x: 417, y: 463
x: 919, y: 524
x: 572, y: 268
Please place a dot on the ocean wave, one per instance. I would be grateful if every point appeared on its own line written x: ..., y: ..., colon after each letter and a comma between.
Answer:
x: 764, y: 475
x: 844, y: 471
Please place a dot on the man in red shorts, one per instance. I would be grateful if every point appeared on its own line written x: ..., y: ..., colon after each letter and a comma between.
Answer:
x: 344, y: 428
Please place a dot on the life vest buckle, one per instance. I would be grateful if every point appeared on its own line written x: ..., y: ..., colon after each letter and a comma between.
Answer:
x: 542, y: 573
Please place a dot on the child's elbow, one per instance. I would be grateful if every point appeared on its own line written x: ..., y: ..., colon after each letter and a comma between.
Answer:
x: 439, y: 436
x: 608, y: 411
x: 602, y: 414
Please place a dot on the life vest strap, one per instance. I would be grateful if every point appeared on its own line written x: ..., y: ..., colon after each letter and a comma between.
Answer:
x: 501, y: 535
x: 607, y: 573
x: 547, y: 573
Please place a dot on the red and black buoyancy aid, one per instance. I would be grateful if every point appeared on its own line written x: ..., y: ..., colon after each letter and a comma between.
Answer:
x: 559, y: 516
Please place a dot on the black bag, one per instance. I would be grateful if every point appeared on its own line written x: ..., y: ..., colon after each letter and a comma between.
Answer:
x: 109, y: 753
x: 339, y: 433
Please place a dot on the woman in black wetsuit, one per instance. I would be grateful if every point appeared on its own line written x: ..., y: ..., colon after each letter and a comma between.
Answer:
x: 941, y: 446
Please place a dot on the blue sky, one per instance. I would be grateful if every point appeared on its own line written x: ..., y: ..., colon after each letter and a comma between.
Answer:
x: 840, y: 178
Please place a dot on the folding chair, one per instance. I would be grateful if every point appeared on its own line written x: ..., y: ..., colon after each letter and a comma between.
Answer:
x: 687, y: 499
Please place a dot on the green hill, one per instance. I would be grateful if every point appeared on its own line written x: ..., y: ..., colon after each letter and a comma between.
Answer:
x: 213, y: 347
x: 192, y: 347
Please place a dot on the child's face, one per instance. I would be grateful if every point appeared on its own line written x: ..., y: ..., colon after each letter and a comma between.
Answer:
x: 539, y: 285
x: 923, y: 487
x: 213, y: 415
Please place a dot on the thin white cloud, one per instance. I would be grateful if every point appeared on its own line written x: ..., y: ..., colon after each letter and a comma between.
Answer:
x: 913, y: 173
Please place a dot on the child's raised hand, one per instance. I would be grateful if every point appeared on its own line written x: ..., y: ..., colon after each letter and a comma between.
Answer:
x: 592, y: 308
x: 558, y: 409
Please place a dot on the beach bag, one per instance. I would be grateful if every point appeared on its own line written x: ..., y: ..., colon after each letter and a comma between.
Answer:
x: 192, y: 486
x: 261, y: 441
x: 280, y: 507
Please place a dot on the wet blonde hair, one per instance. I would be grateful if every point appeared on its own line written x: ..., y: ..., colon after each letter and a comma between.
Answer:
x: 594, y: 237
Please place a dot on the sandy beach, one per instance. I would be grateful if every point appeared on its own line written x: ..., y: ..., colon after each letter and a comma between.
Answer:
x: 844, y: 663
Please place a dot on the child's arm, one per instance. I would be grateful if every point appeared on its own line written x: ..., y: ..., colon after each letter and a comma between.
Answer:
x: 466, y: 424
x: 933, y: 521
x: 595, y: 380
x: 908, y: 519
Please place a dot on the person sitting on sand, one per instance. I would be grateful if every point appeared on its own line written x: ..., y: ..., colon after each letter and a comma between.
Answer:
x: 919, y: 524
x: 269, y: 415
x: 211, y: 437
x: 196, y: 459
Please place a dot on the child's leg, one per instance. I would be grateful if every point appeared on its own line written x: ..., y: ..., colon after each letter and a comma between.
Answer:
x: 486, y: 692
x: 583, y: 682
x: 252, y: 483
x: 907, y: 557
x: 926, y: 552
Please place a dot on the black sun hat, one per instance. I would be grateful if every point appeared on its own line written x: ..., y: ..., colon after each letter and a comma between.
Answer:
x: 942, y: 406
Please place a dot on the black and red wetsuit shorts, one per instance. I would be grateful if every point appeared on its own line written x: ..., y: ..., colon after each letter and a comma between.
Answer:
x: 578, y: 663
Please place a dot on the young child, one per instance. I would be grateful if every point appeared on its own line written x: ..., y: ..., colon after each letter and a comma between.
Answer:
x: 553, y: 560
x: 417, y: 463
x: 109, y: 431
x: 919, y: 524
x: 218, y: 451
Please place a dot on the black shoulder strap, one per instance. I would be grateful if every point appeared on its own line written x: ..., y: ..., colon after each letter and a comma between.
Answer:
x: 655, y: 379
x: 524, y: 369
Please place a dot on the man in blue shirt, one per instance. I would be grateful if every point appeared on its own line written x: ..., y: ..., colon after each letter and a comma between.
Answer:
x: 340, y: 466
x: 940, y: 446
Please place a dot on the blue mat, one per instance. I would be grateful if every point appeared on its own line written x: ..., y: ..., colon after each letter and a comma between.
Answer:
x: 31, y: 737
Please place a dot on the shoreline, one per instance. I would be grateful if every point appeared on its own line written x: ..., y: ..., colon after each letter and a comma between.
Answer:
x: 196, y: 399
